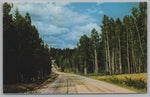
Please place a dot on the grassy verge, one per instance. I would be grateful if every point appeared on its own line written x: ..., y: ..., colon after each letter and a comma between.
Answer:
x: 136, y: 82
x: 24, y: 87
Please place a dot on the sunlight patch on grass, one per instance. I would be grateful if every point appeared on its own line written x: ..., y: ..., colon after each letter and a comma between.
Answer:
x: 136, y: 82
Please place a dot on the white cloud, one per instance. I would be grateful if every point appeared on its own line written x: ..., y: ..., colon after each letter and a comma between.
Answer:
x: 100, y: 12
x: 94, y: 11
x: 78, y: 31
x: 56, y: 19
x: 55, y: 13
x: 57, y: 30
x: 91, y: 11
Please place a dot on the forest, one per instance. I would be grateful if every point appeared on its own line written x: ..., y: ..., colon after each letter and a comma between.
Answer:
x: 25, y: 56
x: 121, y: 48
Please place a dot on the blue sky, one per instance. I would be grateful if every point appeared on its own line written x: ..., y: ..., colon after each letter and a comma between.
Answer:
x: 62, y: 24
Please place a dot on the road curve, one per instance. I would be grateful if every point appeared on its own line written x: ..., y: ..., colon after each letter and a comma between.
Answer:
x: 67, y: 83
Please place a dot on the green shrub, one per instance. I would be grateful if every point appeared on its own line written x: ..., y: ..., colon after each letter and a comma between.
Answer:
x: 129, y: 81
x: 116, y: 80
x: 139, y: 84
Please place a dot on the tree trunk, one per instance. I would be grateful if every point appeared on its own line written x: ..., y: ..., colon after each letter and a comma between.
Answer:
x: 140, y: 63
x: 128, y: 55
x: 139, y: 38
x: 133, y: 59
x: 120, y: 65
x: 116, y: 62
x: 85, y: 69
x: 113, y: 62
x: 93, y: 66
x: 133, y: 63
x: 108, y: 53
x: 96, y: 62
x: 106, y: 66
x: 76, y: 70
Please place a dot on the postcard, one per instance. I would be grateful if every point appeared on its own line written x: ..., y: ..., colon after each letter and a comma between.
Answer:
x: 74, y: 47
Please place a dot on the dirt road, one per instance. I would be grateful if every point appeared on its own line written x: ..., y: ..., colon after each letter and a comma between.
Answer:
x: 72, y: 83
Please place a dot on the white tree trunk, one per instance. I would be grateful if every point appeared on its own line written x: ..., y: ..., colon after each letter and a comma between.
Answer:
x: 113, y: 67
x: 85, y: 69
x: 108, y: 52
x: 76, y: 70
x: 106, y: 66
x: 120, y: 65
x: 128, y: 55
x: 96, y: 62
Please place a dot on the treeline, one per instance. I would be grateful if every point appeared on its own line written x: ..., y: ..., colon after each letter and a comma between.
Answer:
x: 126, y: 42
x: 25, y: 56
x: 63, y: 58
x: 120, y: 48
x: 88, y: 57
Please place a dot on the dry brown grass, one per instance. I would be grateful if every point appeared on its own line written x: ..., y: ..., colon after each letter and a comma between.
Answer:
x: 136, y: 81
x: 142, y: 76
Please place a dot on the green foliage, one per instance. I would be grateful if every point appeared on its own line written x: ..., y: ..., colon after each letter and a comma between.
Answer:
x: 26, y: 57
x: 94, y: 38
x: 125, y: 42
x: 139, y: 84
x: 120, y: 48
x: 129, y: 81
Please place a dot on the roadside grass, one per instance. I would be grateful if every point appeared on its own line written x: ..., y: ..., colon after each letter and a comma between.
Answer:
x: 136, y: 82
x: 58, y: 69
